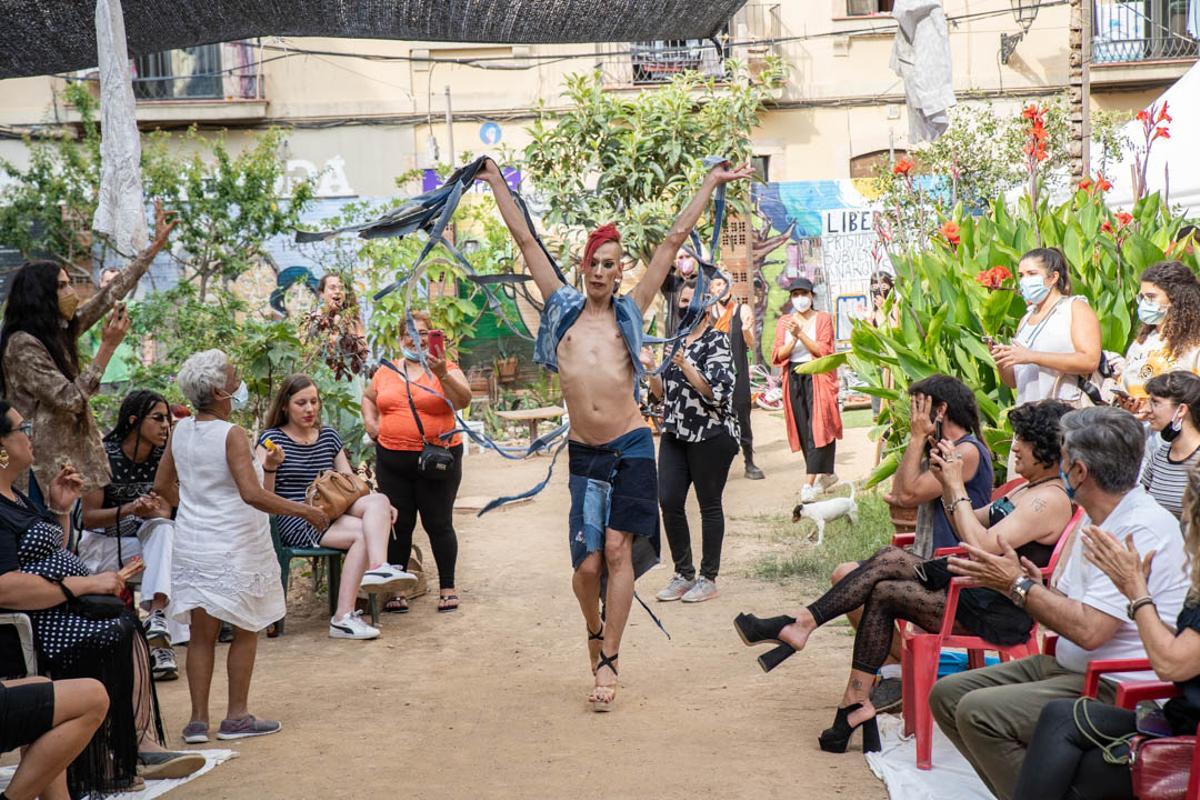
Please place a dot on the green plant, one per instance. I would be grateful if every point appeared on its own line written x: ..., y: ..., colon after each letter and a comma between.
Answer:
x: 980, y: 157
x: 947, y: 299
x: 634, y: 159
x: 265, y: 351
x: 46, y: 209
x: 228, y: 203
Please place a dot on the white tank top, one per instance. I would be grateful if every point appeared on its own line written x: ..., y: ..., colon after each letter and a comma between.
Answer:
x: 1051, y: 335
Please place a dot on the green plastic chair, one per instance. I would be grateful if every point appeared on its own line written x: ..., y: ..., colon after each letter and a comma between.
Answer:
x: 333, y: 562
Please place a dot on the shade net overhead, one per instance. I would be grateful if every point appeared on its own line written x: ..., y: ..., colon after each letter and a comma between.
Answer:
x: 39, y: 37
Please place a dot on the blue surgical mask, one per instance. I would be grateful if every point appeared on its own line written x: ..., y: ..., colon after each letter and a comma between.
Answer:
x: 1070, y: 490
x: 410, y: 355
x: 1034, y: 289
x: 240, y: 397
x: 1149, y: 312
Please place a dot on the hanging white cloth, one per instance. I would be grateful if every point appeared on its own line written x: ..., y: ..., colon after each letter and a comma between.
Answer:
x: 921, y: 56
x: 1193, y: 25
x: 121, y: 206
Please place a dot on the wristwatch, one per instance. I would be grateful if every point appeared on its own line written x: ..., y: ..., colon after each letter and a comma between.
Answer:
x: 1020, y: 590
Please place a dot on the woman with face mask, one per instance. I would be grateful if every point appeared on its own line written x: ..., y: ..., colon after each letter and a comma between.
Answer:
x: 1174, y: 412
x: 40, y: 373
x: 400, y: 436
x: 814, y: 422
x: 223, y: 567
x: 1058, y: 339
x: 1169, y: 339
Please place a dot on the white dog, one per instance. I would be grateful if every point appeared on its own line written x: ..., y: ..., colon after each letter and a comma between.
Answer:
x: 824, y: 511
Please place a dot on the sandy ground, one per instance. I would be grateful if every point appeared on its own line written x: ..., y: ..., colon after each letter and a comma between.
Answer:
x: 489, y: 702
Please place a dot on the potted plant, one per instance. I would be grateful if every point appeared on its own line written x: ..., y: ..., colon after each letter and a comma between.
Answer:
x: 506, y: 367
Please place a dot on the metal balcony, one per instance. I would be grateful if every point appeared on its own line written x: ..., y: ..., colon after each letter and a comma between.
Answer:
x: 1128, y: 31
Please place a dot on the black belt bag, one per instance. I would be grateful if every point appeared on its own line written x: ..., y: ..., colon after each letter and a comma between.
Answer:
x: 435, y: 462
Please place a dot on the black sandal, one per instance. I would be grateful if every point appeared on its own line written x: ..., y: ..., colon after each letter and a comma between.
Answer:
x: 443, y: 603
x: 597, y: 703
x: 396, y: 605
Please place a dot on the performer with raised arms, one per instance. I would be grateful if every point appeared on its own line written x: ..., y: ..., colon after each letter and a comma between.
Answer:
x: 593, y: 339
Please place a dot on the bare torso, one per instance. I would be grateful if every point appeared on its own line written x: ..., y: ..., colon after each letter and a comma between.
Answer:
x: 597, y: 378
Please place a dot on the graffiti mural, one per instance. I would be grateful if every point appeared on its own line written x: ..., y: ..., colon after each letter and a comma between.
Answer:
x: 821, y: 230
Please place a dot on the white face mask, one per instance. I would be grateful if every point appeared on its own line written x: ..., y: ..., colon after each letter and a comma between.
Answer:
x: 802, y: 303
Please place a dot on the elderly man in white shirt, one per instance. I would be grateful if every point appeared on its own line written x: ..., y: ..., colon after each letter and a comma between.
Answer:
x: 990, y: 714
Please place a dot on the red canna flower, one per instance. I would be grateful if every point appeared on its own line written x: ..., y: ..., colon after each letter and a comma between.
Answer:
x: 1143, y: 116
x: 1031, y: 112
x: 949, y: 230
x: 1123, y: 218
x: 1163, y: 116
x: 1161, y: 132
x: 993, y: 278
x: 1085, y: 184
x: 903, y: 167
x: 1102, y: 183
x: 1106, y: 226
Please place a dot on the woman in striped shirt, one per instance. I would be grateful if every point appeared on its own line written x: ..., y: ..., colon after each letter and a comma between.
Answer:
x: 310, y: 448
x: 1174, y: 412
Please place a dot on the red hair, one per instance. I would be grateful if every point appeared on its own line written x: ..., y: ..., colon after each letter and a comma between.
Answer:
x: 602, y: 235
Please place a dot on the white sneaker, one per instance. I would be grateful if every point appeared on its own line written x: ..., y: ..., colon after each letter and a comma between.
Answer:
x: 165, y: 668
x: 351, y: 626
x: 808, y: 493
x: 156, y: 627
x: 677, y: 588
x: 387, y: 578
x: 702, y: 590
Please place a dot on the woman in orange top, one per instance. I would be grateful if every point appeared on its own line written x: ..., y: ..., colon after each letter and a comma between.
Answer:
x: 388, y: 418
x: 814, y: 422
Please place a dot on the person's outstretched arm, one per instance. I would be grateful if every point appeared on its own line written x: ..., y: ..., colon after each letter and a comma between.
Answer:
x: 664, y: 255
x: 540, y: 268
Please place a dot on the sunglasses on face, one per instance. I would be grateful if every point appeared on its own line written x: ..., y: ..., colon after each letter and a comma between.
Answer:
x: 25, y: 427
x: 160, y: 418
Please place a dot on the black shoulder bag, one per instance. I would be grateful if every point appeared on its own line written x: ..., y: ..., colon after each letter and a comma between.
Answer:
x: 435, y: 462
x: 92, y: 606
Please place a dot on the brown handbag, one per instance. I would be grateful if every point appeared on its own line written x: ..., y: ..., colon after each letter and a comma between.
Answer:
x: 1160, y: 767
x: 333, y: 492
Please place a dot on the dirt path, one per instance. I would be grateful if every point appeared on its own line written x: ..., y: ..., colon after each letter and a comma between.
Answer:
x: 489, y: 702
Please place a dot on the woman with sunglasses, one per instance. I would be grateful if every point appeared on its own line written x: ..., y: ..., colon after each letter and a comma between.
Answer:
x: 126, y: 519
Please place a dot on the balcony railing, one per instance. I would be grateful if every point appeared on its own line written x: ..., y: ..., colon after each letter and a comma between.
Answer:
x: 1144, y: 30
x: 226, y: 71
x: 652, y: 63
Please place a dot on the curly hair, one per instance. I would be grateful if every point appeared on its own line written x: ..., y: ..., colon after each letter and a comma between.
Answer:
x: 1180, y: 329
x: 1038, y: 424
x: 961, y: 407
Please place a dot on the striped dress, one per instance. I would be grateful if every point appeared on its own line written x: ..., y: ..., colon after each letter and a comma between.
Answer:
x: 301, y: 465
x: 1166, y: 479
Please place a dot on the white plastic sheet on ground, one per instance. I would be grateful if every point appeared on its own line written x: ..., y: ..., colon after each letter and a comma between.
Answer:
x: 121, y: 210
x: 896, y: 765
x: 155, y: 788
x: 1178, y: 151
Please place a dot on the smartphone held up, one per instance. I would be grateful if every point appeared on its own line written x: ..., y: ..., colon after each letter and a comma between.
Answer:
x: 437, y: 344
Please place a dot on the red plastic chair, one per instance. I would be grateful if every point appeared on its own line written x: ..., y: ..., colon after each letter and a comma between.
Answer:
x: 921, y: 650
x: 1130, y: 693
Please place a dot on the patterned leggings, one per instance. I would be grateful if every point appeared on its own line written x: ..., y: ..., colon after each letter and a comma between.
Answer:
x: 887, y: 589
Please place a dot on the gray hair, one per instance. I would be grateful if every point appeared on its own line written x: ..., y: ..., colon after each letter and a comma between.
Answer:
x: 201, y: 375
x: 1110, y: 441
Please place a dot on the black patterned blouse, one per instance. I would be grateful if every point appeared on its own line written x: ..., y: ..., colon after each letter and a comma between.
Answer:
x: 689, y: 415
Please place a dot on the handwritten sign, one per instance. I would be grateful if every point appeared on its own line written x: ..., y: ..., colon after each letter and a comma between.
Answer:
x: 848, y: 257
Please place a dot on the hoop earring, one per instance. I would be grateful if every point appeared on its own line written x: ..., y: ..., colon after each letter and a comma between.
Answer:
x: 3, y: 458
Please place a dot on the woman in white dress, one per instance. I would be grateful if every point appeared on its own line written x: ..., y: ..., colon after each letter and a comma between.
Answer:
x: 224, y: 567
